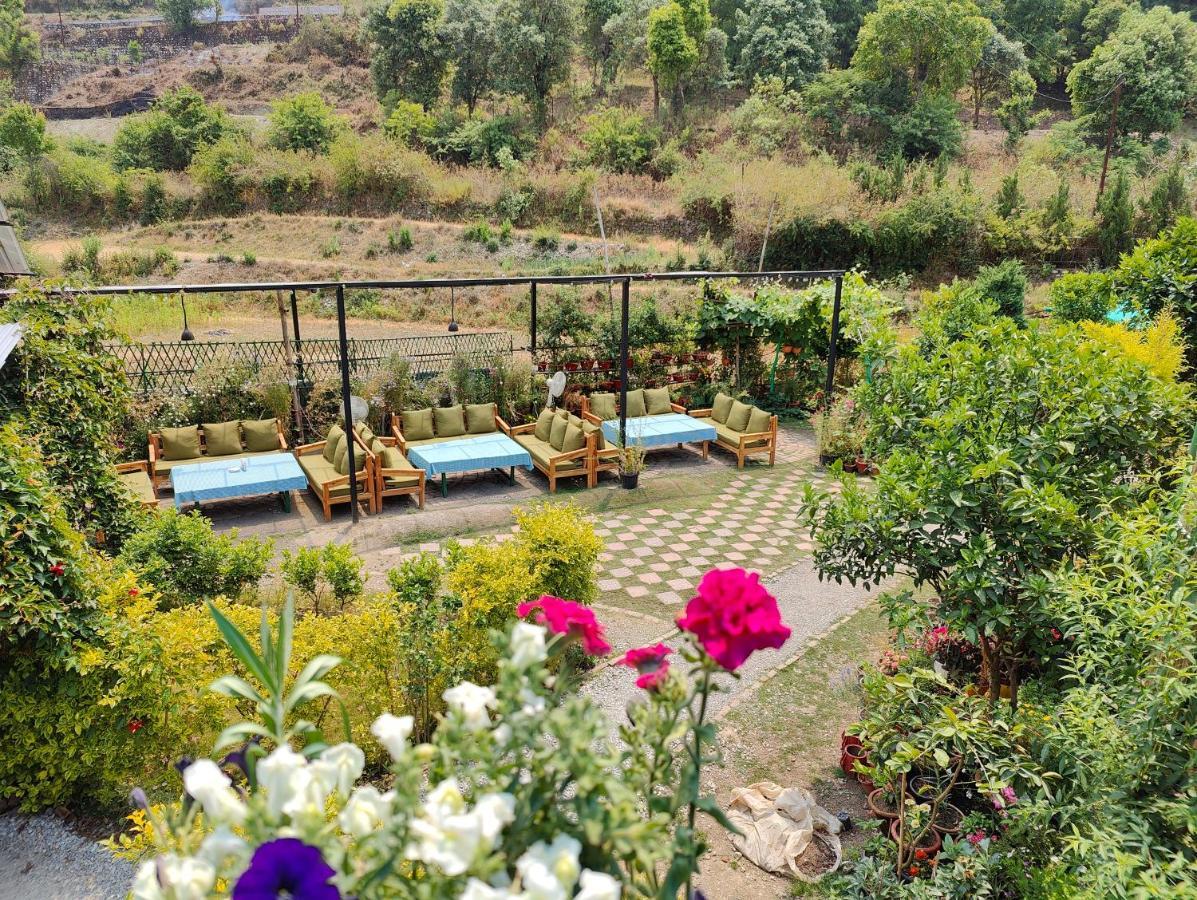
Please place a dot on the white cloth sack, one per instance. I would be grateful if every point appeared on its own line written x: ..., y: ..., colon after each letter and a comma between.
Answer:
x: 778, y: 826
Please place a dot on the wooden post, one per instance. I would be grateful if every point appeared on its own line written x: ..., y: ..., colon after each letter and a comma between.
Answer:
x: 760, y: 266
x: 296, y: 408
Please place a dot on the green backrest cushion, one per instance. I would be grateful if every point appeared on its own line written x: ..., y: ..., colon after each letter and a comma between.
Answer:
x: 480, y: 418
x: 393, y: 459
x: 636, y: 406
x: 737, y: 419
x: 181, y: 443
x: 657, y: 401
x: 342, y: 461
x: 544, y: 425
x: 590, y: 428
x: 417, y: 424
x: 758, y: 421
x: 366, y: 434
x: 557, y: 435
x: 336, y: 437
x: 574, y: 420
x: 721, y: 407
x: 573, y: 440
x: 377, y: 446
x: 603, y: 406
x: 222, y: 438
x: 449, y: 421
x: 260, y: 435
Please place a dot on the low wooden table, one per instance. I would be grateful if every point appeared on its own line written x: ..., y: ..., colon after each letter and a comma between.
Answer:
x: 661, y: 431
x: 470, y: 454
x: 271, y: 473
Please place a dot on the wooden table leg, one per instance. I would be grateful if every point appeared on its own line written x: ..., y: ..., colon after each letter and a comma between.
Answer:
x: 511, y: 476
x: 706, y: 447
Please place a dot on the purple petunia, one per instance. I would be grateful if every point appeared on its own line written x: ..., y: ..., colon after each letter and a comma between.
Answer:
x: 286, y: 867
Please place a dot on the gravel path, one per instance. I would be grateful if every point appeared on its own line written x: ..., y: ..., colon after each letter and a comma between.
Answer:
x: 41, y: 858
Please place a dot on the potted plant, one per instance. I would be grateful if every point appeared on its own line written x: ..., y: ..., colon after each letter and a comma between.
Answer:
x: 947, y: 819
x: 850, y: 753
x: 631, y: 464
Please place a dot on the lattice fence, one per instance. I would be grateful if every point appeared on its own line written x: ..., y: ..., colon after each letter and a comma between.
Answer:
x: 164, y: 369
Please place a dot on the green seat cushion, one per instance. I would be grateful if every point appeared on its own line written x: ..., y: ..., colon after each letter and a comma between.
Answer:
x: 636, y: 406
x: 449, y: 421
x: 163, y: 466
x: 139, y: 486
x: 732, y: 438
x: 181, y: 443
x: 342, y: 461
x: 544, y: 425
x: 261, y: 434
x: 366, y: 433
x: 480, y: 418
x: 657, y: 401
x: 377, y: 447
x: 335, y: 436
x: 589, y: 428
x: 574, y: 439
x: 542, y: 452
x: 603, y: 406
x: 222, y: 438
x: 417, y: 424
x: 721, y: 407
x: 758, y: 421
x: 393, y: 458
x: 317, y: 468
x: 737, y: 419
x: 557, y: 435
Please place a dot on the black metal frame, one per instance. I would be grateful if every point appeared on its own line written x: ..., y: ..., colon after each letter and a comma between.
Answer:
x: 339, y: 287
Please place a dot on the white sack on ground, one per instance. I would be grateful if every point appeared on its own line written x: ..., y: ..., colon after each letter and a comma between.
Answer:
x: 785, y: 831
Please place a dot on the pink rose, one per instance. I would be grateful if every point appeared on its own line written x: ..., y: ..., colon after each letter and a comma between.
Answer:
x: 733, y: 616
x: 651, y: 663
x: 571, y: 619
x: 976, y: 837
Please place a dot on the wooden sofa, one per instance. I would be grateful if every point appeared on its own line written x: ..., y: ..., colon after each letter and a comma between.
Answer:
x: 326, y: 465
x: 192, y: 444
x: 136, y: 477
x: 546, y: 442
x: 602, y: 407
x: 419, y: 427
x: 394, y: 476
x: 758, y: 433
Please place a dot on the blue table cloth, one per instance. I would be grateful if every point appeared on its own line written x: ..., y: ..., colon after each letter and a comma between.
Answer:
x: 661, y: 431
x: 482, y: 451
x: 270, y: 473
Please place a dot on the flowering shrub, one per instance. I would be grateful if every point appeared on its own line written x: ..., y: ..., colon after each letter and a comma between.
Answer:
x: 529, y: 796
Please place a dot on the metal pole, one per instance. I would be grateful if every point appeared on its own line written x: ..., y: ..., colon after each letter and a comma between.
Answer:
x: 346, y: 393
x: 625, y: 298
x: 835, y: 336
x: 300, y: 376
x: 533, y: 335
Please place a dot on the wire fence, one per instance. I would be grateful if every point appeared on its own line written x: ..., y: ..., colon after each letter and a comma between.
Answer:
x: 170, y: 368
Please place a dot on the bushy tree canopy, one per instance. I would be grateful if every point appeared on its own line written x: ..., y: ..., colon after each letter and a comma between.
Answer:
x: 408, y: 57
x: 303, y: 122
x: 166, y: 137
x: 787, y: 39
x: 535, y: 43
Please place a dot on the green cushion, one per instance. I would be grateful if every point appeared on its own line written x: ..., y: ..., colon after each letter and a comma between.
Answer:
x: 544, y: 425
x: 417, y: 424
x: 222, y: 438
x: 336, y: 435
x: 260, y: 434
x: 590, y: 428
x: 138, y: 483
x: 557, y: 435
x: 542, y: 452
x: 732, y: 438
x: 636, y: 406
x: 562, y: 413
x: 317, y: 468
x: 342, y: 462
x: 181, y: 443
x: 721, y: 407
x: 366, y: 434
x: 758, y: 421
x: 377, y: 447
x: 393, y: 458
x: 449, y: 421
x: 603, y: 406
x: 574, y: 439
x: 657, y: 401
x: 737, y: 419
x: 574, y: 420
x: 480, y: 418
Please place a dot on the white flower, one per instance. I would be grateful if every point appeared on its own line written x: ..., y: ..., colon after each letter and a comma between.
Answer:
x: 597, y: 886
x: 277, y: 776
x: 366, y: 811
x: 549, y: 871
x: 478, y: 890
x: 205, y: 782
x: 450, y: 844
x: 307, y: 789
x: 346, y: 763
x: 392, y: 732
x: 533, y: 703
x: 145, y: 882
x: 502, y: 734
x: 220, y: 844
x: 472, y: 702
x: 527, y: 645
x: 186, y: 877
x: 495, y: 811
x: 444, y: 800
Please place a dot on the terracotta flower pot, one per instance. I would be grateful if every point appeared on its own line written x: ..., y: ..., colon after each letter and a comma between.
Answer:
x: 947, y: 819
x: 848, y: 757
x: 878, y: 806
x: 931, y: 842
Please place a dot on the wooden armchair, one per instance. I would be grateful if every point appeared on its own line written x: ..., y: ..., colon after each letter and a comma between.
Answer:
x: 396, y: 481
x: 329, y: 485
x: 743, y: 443
x: 136, y: 477
x: 552, y: 462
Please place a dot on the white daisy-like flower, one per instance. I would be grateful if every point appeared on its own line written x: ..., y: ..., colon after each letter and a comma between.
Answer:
x: 204, y: 781
x: 472, y: 702
x: 393, y: 733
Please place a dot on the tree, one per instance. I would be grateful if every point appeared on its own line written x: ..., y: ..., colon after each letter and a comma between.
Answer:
x: 788, y: 39
x: 408, y: 58
x: 1016, y: 112
x: 628, y: 35
x: 469, y: 29
x: 1087, y: 23
x: 1036, y: 23
x: 671, y: 51
x: 166, y: 137
x: 19, y: 44
x: 535, y: 43
x: 932, y: 45
x: 1161, y: 273
x: 1153, y: 56
x: 23, y: 129
x: 1168, y: 200
x: 303, y: 122
x: 1115, y: 220
x: 180, y: 15
x: 845, y: 17
x: 991, y: 77
x: 597, y: 41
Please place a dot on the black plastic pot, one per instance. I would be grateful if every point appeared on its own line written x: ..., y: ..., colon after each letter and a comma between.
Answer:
x: 629, y: 479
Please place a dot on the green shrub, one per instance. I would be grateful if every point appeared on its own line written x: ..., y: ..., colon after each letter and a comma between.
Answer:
x: 1115, y: 220
x: 930, y: 128
x: 331, y: 573
x: 70, y: 184
x: 1082, y: 296
x: 23, y: 129
x: 371, y: 172
x: 619, y: 140
x: 479, y: 233
x: 220, y: 171
x: 409, y: 124
x: 1162, y: 272
x: 303, y: 122
x: 1006, y: 285
x: 186, y: 562
x: 952, y: 313
x: 400, y: 241
x: 167, y: 136
x: 546, y: 240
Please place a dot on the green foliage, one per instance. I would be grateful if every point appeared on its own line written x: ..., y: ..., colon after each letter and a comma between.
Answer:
x: 1115, y: 220
x: 1168, y: 200
x: 20, y: 44
x: 619, y: 140
x: 672, y: 53
x: 782, y: 39
x: 952, y: 313
x: 303, y: 122
x: 1006, y: 285
x: 929, y: 129
x: 1009, y: 200
x: 329, y: 573
x: 535, y: 39
x: 768, y: 119
x: 469, y: 29
x: 1162, y: 272
x: 993, y: 76
x: 186, y: 562
x: 23, y: 129
x: 408, y: 56
x: 180, y: 15
x: 167, y: 136
x: 1082, y: 296
x: 220, y: 170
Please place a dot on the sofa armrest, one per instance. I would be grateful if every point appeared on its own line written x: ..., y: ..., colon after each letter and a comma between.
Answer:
x: 590, y: 417
x: 701, y: 413
x: 503, y: 426
x: 757, y: 436
x: 573, y: 454
x: 677, y: 408
x: 138, y: 464
x: 309, y: 448
x: 401, y: 442
x: 521, y: 429
x: 154, y: 450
